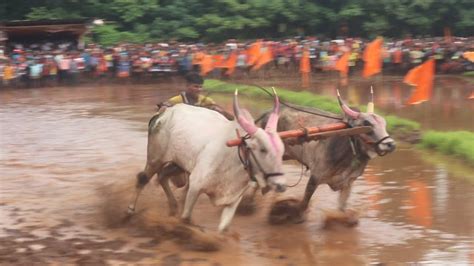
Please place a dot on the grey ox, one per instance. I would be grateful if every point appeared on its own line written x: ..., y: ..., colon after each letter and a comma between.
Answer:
x: 193, y: 139
x: 339, y: 160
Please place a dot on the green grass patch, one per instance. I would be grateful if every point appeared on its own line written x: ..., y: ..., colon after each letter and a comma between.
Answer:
x: 468, y: 74
x: 309, y: 99
x: 458, y: 143
x: 401, y: 125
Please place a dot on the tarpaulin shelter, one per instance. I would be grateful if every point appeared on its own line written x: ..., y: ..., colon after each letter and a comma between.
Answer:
x: 27, y: 32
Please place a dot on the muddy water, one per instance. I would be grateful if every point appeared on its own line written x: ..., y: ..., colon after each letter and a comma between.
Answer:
x: 69, y: 157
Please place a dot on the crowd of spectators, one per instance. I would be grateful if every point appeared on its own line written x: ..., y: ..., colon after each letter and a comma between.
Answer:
x: 50, y: 64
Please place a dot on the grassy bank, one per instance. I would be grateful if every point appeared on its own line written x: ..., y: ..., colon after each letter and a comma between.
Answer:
x: 459, y: 144
x: 469, y: 74
x: 304, y: 98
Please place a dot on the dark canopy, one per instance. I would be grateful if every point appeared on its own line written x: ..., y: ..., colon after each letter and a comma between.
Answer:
x: 38, y: 31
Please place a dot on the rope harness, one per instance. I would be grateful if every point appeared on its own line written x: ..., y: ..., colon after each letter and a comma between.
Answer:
x: 377, y: 149
x: 375, y: 144
x: 245, y: 153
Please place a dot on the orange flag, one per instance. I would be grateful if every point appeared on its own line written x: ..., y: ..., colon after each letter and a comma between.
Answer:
x: 469, y: 56
x: 305, y: 68
x: 422, y: 77
x: 231, y: 63
x: 305, y: 65
x: 197, y: 58
x: 253, y: 52
x: 219, y: 61
x: 342, y: 65
x: 372, y: 58
x: 264, y: 58
x: 207, y: 64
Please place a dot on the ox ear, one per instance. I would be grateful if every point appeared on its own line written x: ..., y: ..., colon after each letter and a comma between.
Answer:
x: 347, y: 110
x: 273, y: 119
x: 244, y: 118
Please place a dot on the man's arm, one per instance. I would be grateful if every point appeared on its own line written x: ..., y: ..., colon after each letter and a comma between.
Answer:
x: 221, y: 110
x: 170, y: 102
x: 211, y: 104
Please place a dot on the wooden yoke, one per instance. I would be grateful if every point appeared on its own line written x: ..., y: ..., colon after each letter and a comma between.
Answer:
x: 311, y: 133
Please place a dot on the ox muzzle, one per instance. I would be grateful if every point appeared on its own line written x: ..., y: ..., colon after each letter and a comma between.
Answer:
x: 389, y: 146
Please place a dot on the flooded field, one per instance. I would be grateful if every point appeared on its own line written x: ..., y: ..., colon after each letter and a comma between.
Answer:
x: 69, y: 157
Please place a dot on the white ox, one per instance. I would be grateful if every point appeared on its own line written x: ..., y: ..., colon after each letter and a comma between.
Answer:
x: 193, y: 139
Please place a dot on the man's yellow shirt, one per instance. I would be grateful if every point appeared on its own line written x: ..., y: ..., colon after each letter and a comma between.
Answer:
x: 202, y: 100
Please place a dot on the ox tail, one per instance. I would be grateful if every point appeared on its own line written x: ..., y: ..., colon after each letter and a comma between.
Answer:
x: 142, y: 180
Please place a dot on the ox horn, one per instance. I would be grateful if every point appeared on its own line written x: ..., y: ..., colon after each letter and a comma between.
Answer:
x: 273, y: 119
x: 243, y: 116
x: 370, y: 105
x: 347, y: 110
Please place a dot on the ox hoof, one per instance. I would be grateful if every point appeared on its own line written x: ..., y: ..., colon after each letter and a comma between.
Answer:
x: 286, y: 212
x: 130, y: 210
x: 186, y: 221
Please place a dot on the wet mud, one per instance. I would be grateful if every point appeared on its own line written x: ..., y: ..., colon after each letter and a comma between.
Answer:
x: 68, y: 162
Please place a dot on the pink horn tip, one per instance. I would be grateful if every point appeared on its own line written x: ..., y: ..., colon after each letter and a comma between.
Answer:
x: 272, y: 122
x: 247, y: 125
x: 347, y: 110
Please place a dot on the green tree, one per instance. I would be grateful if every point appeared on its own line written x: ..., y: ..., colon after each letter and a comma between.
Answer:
x: 217, y: 20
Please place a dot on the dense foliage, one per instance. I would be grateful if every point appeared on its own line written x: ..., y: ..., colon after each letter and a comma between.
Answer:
x: 216, y: 20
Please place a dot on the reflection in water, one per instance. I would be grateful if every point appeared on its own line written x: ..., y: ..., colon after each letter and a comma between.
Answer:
x: 419, y: 201
x: 63, y: 151
x: 374, y: 195
x: 441, y: 191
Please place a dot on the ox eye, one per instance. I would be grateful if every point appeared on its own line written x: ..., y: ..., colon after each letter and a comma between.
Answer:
x: 367, y: 123
x: 263, y: 150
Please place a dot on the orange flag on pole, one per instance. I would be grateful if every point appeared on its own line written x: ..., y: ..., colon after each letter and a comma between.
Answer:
x: 219, y: 61
x: 305, y: 68
x: 469, y: 56
x: 197, y: 58
x: 422, y: 77
x: 264, y: 58
x: 342, y: 65
x: 305, y: 65
x: 231, y: 63
x: 253, y: 53
x: 372, y: 58
x: 207, y: 64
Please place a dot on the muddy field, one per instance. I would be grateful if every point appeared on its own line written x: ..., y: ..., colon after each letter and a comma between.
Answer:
x: 69, y: 157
